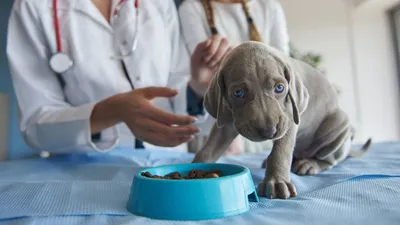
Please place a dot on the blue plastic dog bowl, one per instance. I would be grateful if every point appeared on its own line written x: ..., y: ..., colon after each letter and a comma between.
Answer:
x: 194, y: 199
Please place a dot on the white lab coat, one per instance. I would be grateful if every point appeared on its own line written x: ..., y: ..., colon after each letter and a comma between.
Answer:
x: 57, y: 120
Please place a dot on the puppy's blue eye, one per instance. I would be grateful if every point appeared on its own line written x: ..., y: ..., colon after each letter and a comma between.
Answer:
x: 279, y: 88
x: 239, y: 93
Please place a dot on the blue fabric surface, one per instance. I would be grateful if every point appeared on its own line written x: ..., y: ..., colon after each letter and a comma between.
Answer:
x: 94, y: 189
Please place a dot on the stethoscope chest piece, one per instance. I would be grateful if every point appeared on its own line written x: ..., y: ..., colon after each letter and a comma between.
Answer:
x: 60, y: 62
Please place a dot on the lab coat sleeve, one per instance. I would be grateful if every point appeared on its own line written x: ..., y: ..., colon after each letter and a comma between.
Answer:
x: 194, y: 26
x: 47, y: 121
x: 185, y: 103
x: 279, y: 31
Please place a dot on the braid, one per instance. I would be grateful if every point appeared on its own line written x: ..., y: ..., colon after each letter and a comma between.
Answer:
x: 254, y: 34
x: 210, y: 16
x: 253, y: 31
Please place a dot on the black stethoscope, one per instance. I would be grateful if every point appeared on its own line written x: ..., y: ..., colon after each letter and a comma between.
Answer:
x: 60, y: 62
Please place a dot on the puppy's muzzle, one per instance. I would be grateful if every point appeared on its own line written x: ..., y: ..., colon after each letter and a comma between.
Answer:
x: 266, y: 132
x: 259, y: 132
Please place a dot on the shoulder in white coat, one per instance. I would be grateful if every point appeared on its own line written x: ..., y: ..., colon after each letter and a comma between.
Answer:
x: 56, y: 118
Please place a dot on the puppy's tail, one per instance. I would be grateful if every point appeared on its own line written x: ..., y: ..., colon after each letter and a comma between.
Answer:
x: 362, y: 151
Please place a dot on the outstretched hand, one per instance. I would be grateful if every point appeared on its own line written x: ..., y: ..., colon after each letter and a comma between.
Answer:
x: 152, y: 124
x: 206, y: 60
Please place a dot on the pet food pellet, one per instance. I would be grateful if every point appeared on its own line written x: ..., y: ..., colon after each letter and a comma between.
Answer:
x: 147, y: 174
x: 174, y: 175
x: 193, y: 174
x: 212, y: 175
x: 216, y: 172
x: 199, y: 174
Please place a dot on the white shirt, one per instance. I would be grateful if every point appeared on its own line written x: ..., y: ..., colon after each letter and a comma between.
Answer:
x: 58, y: 120
x: 231, y: 22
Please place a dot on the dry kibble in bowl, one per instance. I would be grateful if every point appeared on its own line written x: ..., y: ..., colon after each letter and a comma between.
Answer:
x: 193, y: 174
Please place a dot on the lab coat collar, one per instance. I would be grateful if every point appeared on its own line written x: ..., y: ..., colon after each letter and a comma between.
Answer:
x: 84, y: 6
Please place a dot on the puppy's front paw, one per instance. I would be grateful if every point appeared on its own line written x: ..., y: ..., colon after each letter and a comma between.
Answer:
x: 276, y: 188
x: 308, y: 166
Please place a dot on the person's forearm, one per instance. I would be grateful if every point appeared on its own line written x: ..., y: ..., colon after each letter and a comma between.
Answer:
x: 105, y: 114
x: 197, y: 89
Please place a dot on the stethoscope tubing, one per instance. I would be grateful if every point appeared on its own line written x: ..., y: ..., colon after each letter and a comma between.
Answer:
x: 61, y: 62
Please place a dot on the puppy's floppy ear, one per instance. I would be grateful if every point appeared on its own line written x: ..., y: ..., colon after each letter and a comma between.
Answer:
x: 297, y: 94
x: 296, y: 116
x: 215, y: 102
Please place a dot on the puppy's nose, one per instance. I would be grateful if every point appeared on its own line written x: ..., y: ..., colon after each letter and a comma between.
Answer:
x: 266, y: 132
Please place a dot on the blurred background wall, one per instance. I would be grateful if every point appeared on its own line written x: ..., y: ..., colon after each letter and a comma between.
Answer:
x: 358, y: 55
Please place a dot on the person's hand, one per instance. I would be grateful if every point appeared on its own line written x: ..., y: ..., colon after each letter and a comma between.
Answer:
x: 205, y: 62
x: 151, y: 124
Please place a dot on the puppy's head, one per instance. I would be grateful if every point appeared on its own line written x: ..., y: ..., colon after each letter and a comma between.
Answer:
x: 253, y: 90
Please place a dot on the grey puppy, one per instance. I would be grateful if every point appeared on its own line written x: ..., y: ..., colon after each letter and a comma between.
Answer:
x: 264, y: 95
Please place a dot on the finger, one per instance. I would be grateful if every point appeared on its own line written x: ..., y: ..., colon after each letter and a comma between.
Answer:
x: 216, y: 67
x: 201, y: 47
x: 227, y: 51
x: 207, y: 43
x: 153, y: 92
x: 176, y: 142
x: 157, y: 114
x: 212, y: 49
x: 160, y: 139
x: 170, y: 131
x: 221, y: 52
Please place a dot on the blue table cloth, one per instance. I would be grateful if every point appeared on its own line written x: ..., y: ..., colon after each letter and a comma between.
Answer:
x: 93, y: 189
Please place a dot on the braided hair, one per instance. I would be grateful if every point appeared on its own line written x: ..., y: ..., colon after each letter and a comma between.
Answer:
x: 254, y: 34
